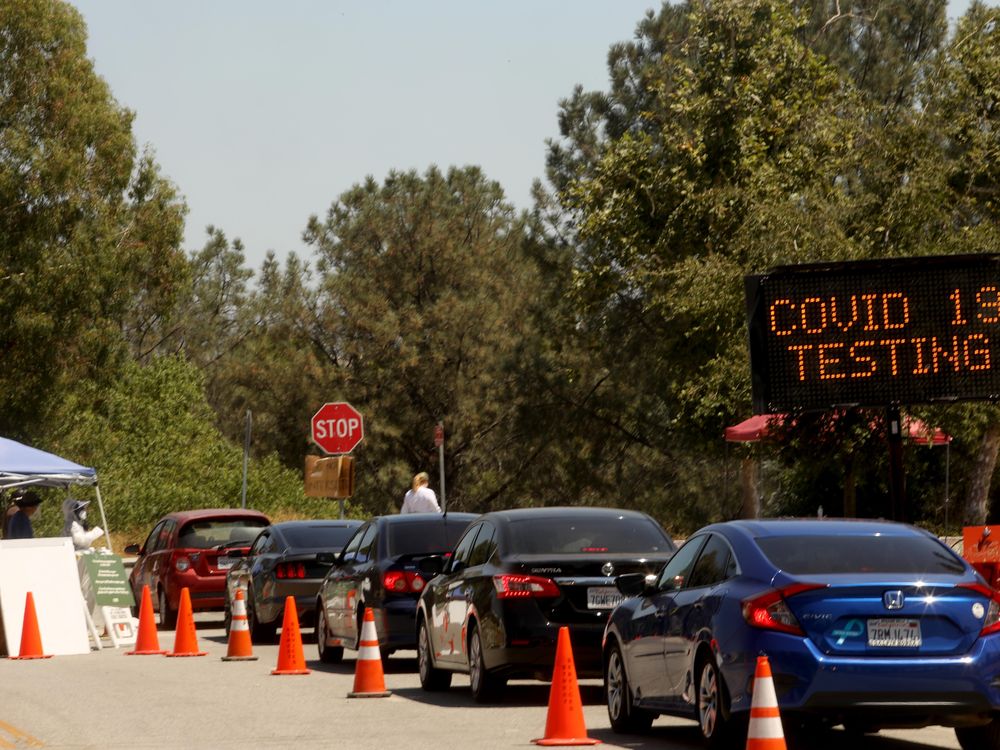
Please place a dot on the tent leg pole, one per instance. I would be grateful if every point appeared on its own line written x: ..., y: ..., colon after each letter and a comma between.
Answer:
x: 104, y: 518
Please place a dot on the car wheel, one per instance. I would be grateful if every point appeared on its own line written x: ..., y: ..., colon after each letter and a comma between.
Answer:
x: 625, y: 718
x: 485, y: 686
x: 717, y: 729
x: 168, y: 617
x: 986, y: 737
x: 260, y: 632
x: 327, y: 654
x: 431, y: 678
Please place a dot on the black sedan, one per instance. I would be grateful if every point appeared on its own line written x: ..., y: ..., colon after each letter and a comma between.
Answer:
x: 515, y: 578
x: 378, y: 569
x: 286, y: 559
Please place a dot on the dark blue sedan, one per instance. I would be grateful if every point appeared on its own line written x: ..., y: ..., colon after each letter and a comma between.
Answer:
x: 867, y: 624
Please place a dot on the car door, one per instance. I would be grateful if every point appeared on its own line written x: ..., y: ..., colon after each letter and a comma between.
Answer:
x: 257, y: 583
x: 688, y: 620
x: 450, y: 608
x: 360, y: 578
x: 142, y: 570
x: 477, y: 591
x: 239, y: 575
x: 645, y: 649
x: 159, y: 560
x: 334, y: 588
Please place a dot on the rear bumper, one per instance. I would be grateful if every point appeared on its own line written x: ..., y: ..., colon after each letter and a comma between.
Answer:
x: 207, y: 592
x: 398, y: 620
x: 272, y: 607
x: 901, y: 691
x: 525, y: 644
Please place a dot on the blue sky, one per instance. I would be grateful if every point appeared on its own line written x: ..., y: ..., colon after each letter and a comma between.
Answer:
x: 262, y: 113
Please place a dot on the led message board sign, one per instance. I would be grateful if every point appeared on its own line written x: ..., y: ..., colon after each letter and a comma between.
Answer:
x: 875, y: 333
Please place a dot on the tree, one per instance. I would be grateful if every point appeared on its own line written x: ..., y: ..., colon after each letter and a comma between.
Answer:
x: 86, y: 227
x: 424, y: 287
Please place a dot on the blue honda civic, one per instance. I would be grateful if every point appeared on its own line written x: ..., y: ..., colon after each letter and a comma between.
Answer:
x: 868, y: 624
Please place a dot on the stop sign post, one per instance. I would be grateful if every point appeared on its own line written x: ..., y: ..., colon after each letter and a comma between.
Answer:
x: 337, y: 428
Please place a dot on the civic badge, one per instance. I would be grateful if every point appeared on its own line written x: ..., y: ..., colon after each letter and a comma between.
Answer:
x: 893, y: 599
x: 607, y: 568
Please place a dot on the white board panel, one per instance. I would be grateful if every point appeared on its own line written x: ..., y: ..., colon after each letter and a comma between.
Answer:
x: 47, y: 568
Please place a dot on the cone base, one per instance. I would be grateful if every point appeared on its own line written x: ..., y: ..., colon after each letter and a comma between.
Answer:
x: 37, y: 656
x: 291, y: 671
x: 378, y: 694
x: 239, y: 658
x: 556, y: 742
x: 193, y: 653
x: 145, y: 653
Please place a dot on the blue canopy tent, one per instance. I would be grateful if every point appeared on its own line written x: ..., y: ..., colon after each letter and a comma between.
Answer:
x: 24, y: 466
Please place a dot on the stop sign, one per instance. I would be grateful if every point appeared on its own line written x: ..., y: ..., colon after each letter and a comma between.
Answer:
x: 337, y: 428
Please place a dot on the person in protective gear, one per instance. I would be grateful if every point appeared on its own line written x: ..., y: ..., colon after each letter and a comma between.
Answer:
x: 75, y: 526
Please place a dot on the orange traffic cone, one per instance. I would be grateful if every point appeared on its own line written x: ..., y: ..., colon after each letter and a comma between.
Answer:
x: 369, y: 681
x: 291, y: 660
x: 147, y: 643
x: 31, y: 638
x: 765, y: 731
x: 186, y: 637
x: 240, y: 647
x: 564, y: 723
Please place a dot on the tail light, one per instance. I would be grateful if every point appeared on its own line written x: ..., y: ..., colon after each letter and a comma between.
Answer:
x: 510, y: 586
x: 991, y: 622
x: 770, y: 612
x: 403, y: 582
x: 290, y: 570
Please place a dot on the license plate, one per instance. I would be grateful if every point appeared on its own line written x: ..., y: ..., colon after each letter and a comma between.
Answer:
x: 225, y: 563
x: 604, y: 597
x: 894, y: 633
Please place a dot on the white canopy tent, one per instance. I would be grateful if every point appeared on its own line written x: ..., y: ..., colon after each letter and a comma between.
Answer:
x: 24, y: 466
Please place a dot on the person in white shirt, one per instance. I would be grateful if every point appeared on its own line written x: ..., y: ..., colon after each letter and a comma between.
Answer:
x: 420, y: 498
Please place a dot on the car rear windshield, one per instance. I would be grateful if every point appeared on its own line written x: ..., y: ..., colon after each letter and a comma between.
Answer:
x: 319, y: 537
x: 433, y: 536
x: 208, y: 533
x: 581, y: 535
x: 811, y: 554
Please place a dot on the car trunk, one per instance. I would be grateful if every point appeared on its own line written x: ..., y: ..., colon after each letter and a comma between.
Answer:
x: 904, y: 618
x: 587, y: 589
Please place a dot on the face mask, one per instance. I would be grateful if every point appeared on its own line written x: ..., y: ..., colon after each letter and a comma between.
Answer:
x: 83, y: 515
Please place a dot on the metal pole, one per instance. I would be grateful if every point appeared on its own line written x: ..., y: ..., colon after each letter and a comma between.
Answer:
x: 897, y: 481
x: 246, y: 455
x: 444, y: 502
x: 947, y: 469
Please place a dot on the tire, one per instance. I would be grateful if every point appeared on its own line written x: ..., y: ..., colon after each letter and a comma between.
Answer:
x: 986, y: 737
x: 486, y: 687
x: 625, y: 718
x: 718, y: 730
x: 260, y: 632
x: 168, y: 617
x: 327, y: 654
x: 432, y: 679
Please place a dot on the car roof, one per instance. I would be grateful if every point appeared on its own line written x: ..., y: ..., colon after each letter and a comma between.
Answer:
x: 821, y: 527
x: 337, y: 522
x: 404, y: 518
x: 184, y: 516
x: 563, y: 511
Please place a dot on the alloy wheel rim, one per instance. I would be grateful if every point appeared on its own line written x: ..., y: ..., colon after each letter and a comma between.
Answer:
x: 708, y: 701
x: 321, y: 632
x: 422, y: 653
x: 475, y: 671
x: 615, y: 688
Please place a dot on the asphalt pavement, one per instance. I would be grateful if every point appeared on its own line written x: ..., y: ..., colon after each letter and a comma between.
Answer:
x: 106, y: 700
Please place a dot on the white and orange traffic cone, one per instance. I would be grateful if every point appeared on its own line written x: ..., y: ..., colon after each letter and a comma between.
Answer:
x: 369, y: 681
x: 240, y: 646
x: 765, y: 732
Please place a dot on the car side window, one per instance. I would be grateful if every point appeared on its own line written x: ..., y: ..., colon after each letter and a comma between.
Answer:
x: 714, y: 563
x: 366, y: 551
x: 260, y: 544
x: 154, y: 536
x: 485, y: 545
x: 675, y: 573
x: 165, y: 533
x: 460, y: 558
x: 351, y: 550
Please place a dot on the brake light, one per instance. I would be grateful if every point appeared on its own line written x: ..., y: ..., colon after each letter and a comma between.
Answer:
x: 403, y: 582
x: 770, y: 612
x: 510, y: 586
x: 991, y: 622
x: 290, y: 570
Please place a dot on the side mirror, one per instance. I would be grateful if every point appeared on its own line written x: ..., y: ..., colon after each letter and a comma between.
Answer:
x: 431, y: 566
x: 631, y: 584
x: 326, y: 558
x: 132, y: 549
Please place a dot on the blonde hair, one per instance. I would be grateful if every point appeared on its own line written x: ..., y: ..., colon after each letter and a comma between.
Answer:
x: 420, y: 480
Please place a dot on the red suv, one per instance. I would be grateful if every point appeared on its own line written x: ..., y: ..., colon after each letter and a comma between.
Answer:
x: 190, y: 549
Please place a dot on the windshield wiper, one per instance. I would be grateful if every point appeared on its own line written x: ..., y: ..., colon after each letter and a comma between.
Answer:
x: 237, y: 543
